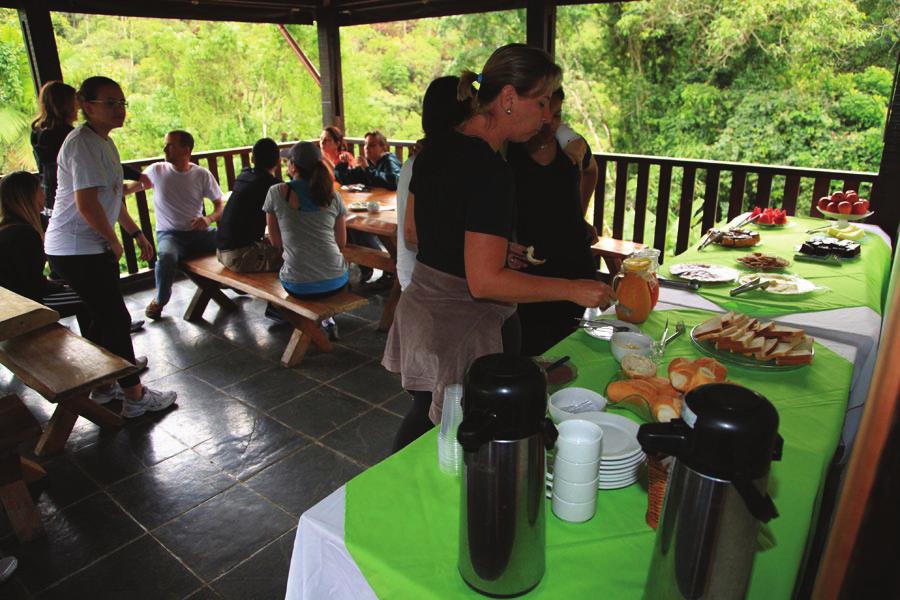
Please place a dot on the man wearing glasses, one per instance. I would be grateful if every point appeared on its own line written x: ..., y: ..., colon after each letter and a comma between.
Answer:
x: 182, y: 230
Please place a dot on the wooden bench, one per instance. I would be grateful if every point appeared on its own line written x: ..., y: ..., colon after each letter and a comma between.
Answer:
x: 18, y: 425
x: 63, y: 368
x: 19, y: 314
x: 305, y: 315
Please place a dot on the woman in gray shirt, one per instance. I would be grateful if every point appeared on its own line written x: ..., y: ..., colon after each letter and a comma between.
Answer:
x: 306, y: 218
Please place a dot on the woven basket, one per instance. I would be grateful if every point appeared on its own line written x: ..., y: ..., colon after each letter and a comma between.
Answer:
x: 657, y: 476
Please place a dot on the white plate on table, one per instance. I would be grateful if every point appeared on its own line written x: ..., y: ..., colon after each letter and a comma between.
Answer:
x: 782, y: 284
x: 704, y: 272
x: 619, y: 436
x: 605, y: 333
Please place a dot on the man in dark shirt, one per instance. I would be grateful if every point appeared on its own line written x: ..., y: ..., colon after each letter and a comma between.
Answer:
x: 378, y: 168
x: 239, y: 237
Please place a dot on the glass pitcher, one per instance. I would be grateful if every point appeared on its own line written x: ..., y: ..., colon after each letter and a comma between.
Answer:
x: 636, y: 286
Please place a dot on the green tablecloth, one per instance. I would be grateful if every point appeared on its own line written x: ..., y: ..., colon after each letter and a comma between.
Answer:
x: 857, y: 282
x: 402, y: 516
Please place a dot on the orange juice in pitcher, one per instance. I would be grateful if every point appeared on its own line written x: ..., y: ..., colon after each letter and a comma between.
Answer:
x: 636, y: 286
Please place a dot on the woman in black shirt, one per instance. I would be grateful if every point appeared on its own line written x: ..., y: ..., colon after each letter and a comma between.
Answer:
x: 549, y: 217
x: 49, y: 130
x: 463, y: 287
x: 22, y: 248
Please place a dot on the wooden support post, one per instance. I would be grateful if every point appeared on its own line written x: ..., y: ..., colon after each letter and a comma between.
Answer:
x: 306, y: 331
x: 57, y: 432
x: 540, y: 25
x: 206, y: 290
x: 23, y: 515
x: 886, y: 189
x: 40, y: 43
x: 330, y: 68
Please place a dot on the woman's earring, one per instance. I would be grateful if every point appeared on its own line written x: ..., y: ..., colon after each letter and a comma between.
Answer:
x: 509, y: 111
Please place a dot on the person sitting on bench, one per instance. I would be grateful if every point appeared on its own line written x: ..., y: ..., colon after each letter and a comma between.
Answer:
x: 81, y: 243
x: 240, y: 239
x: 182, y: 230
x: 307, y: 218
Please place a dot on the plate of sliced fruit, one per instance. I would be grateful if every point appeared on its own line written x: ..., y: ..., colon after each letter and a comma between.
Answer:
x: 771, y: 218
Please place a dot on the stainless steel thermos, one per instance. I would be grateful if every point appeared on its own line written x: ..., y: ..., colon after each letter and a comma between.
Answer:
x: 716, y: 493
x: 504, y: 434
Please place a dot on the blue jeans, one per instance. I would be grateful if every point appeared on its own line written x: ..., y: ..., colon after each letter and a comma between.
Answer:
x: 173, y: 246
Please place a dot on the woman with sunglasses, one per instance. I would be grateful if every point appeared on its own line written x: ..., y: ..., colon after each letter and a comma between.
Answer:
x: 81, y: 243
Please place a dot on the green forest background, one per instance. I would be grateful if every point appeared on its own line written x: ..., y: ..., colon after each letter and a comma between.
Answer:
x: 790, y: 82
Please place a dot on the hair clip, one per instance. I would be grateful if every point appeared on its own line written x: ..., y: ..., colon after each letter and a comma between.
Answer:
x: 479, y: 78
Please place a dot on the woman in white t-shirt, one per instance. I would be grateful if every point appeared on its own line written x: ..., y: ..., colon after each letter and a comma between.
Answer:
x: 81, y: 244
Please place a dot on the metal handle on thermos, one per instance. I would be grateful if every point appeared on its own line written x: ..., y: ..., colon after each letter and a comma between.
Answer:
x: 664, y: 438
x: 476, y: 430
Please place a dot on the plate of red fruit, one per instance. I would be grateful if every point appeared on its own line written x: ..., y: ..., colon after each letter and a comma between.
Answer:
x: 770, y: 217
x: 844, y: 206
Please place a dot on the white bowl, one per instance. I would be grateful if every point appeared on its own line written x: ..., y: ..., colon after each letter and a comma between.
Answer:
x: 576, y: 492
x: 571, y: 397
x: 575, y: 472
x: 627, y: 342
x: 574, y: 512
x: 579, y: 441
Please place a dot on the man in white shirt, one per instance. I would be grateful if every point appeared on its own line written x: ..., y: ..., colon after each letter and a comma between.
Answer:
x: 182, y: 230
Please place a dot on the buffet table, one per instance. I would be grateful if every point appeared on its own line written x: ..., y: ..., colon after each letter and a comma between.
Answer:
x: 392, y: 531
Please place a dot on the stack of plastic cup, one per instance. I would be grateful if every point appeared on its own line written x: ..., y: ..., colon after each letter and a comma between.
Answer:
x: 450, y: 453
x: 576, y: 470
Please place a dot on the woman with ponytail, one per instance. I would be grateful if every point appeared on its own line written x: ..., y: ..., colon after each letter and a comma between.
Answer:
x: 306, y: 218
x: 465, y: 283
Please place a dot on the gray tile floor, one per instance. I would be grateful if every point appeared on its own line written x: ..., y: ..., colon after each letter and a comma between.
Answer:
x: 203, y: 501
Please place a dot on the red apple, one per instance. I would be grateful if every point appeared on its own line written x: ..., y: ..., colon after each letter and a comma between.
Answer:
x: 832, y: 207
x: 860, y: 208
x: 845, y: 208
x: 865, y: 203
x: 823, y: 202
x: 851, y: 196
x: 837, y: 197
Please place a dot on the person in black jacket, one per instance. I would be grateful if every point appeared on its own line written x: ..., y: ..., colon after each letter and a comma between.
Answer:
x: 239, y: 238
x: 378, y: 168
x: 49, y: 130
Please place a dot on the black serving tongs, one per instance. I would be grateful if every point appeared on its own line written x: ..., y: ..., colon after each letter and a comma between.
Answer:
x: 691, y: 285
x: 753, y: 284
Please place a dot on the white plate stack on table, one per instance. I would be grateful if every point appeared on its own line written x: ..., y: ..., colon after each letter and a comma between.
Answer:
x: 621, y: 457
x: 575, y: 469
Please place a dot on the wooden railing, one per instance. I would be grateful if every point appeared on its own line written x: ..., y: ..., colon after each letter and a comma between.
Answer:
x: 729, y: 188
x: 719, y: 190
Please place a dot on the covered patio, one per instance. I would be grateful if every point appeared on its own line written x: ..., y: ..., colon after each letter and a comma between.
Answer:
x: 204, y: 501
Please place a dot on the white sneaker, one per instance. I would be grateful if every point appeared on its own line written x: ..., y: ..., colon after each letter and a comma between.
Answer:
x: 151, y: 401
x: 105, y: 395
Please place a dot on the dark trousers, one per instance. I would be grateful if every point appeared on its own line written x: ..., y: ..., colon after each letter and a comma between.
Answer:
x: 95, y: 278
x: 68, y: 303
x: 416, y: 423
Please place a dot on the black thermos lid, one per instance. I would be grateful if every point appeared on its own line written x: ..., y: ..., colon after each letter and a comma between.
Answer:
x: 726, y: 431
x: 505, y: 398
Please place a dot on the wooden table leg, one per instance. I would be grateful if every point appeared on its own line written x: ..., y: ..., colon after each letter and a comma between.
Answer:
x: 23, y: 515
x: 206, y: 290
x: 387, y: 316
x: 31, y: 471
x: 53, y: 440
x: 83, y: 406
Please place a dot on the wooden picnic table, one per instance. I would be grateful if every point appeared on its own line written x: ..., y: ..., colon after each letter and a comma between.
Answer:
x: 384, y: 225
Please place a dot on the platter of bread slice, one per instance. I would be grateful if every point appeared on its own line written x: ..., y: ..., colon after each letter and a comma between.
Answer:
x: 740, y: 339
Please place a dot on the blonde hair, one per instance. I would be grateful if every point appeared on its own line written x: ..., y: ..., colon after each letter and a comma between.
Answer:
x: 55, y: 100
x: 17, y: 192
x: 530, y: 71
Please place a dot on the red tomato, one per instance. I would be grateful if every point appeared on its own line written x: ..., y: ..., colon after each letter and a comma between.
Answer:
x: 823, y: 202
x: 860, y: 208
x: 845, y: 208
x: 851, y: 196
x: 837, y: 197
x: 832, y: 207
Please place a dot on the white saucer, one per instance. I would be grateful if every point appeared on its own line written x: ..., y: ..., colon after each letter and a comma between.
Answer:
x: 614, y: 464
x: 615, y: 486
x: 605, y: 333
x: 619, y: 436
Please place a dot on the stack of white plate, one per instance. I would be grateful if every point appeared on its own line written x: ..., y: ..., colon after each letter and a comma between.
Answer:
x: 621, y: 457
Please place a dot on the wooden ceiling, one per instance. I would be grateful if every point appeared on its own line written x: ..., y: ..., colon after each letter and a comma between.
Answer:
x: 348, y: 12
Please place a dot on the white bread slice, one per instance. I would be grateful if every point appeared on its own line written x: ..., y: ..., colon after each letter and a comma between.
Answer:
x: 728, y: 317
x: 733, y: 340
x: 768, y: 345
x: 802, y: 354
x: 784, y: 346
x: 765, y: 328
x: 709, y: 328
x: 783, y: 332
x: 754, y: 345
